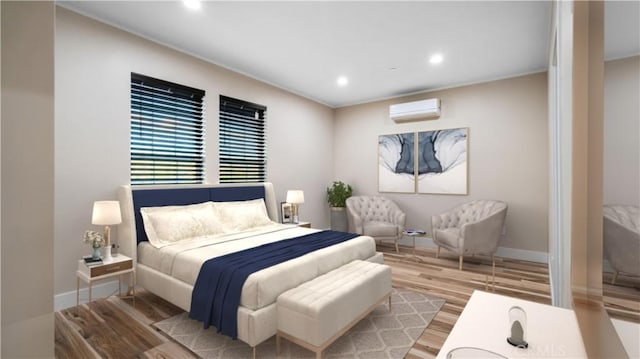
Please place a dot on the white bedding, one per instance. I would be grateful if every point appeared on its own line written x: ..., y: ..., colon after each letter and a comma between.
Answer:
x: 184, y: 259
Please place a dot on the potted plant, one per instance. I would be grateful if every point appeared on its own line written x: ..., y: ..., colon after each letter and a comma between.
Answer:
x: 337, y: 195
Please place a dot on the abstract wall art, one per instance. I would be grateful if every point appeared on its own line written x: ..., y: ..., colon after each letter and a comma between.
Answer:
x: 396, y: 163
x: 442, y: 161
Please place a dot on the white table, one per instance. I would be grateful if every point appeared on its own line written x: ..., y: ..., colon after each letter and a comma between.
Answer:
x: 413, y: 234
x: 118, y: 266
x: 551, y: 332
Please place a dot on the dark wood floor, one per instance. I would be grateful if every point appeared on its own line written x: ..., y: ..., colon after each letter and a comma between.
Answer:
x: 114, y: 328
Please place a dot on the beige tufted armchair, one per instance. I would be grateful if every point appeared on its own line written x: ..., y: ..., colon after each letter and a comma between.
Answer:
x: 375, y: 216
x: 469, y: 229
x: 621, y: 239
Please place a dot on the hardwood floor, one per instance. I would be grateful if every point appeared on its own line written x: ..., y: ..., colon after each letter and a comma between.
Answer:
x: 440, y: 277
x: 113, y: 328
x: 623, y: 299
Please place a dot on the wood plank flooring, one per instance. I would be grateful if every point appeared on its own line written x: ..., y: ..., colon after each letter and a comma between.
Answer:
x: 114, y: 328
x: 440, y: 277
x: 623, y: 299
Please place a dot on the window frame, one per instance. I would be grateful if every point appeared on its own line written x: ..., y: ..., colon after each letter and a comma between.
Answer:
x: 242, y: 147
x: 167, y: 132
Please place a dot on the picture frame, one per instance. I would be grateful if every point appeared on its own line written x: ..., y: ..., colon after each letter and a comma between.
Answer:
x: 442, y: 165
x: 396, y: 165
x: 430, y: 162
x: 286, y: 212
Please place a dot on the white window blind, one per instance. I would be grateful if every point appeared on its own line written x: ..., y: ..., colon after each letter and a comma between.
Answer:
x: 167, y: 132
x: 242, y: 141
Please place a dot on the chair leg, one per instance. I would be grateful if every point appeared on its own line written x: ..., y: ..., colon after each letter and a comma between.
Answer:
x: 615, y: 276
x: 460, y: 260
x: 397, y: 250
x: 438, y: 252
x: 493, y: 272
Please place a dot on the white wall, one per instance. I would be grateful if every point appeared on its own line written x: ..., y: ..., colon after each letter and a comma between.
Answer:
x: 27, y: 179
x: 507, y: 123
x: 93, y: 66
x: 622, y: 131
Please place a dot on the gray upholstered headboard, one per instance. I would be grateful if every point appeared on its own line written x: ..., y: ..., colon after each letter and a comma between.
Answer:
x: 132, y: 198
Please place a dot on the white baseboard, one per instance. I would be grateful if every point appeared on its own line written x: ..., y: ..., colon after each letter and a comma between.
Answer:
x: 522, y: 254
x: 101, y: 290
x: 505, y: 252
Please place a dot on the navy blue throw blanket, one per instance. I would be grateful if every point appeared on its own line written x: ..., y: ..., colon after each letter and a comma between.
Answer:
x: 216, y: 294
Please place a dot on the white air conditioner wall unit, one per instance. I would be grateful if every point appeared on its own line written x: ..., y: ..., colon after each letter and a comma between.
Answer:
x: 416, y: 110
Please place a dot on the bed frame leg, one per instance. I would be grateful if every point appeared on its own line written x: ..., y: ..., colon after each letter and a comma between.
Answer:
x: 254, y: 352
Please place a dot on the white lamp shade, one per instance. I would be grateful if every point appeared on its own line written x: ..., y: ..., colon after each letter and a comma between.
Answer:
x: 295, y: 196
x: 106, y: 213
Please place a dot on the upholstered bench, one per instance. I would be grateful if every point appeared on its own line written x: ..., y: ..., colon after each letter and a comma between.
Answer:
x: 316, y: 313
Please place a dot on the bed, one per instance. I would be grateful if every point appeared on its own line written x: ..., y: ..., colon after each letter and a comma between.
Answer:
x: 170, y: 271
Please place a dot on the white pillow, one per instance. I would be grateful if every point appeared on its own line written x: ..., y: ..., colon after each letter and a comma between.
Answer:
x: 169, y: 224
x: 243, y: 215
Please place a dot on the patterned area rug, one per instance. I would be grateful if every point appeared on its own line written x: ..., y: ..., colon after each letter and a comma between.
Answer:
x: 382, y: 334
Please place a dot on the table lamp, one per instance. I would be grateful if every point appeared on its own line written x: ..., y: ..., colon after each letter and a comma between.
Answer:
x: 295, y: 197
x: 106, y: 213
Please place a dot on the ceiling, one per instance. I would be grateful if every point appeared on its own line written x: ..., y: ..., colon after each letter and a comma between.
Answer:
x: 383, y: 48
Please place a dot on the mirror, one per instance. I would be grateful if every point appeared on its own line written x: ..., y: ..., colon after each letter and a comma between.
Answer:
x: 621, y: 161
x: 577, y: 183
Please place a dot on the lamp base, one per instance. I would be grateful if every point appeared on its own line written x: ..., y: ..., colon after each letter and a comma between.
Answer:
x: 294, y: 213
x: 107, y: 254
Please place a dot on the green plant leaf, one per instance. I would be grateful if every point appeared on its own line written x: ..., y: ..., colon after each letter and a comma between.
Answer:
x: 338, y: 193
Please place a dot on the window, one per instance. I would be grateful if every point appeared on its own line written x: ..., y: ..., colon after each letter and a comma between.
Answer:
x: 167, y: 133
x: 242, y: 144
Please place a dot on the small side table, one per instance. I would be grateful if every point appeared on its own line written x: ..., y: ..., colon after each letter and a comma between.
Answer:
x: 413, y: 233
x: 118, y: 266
x: 304, y: 224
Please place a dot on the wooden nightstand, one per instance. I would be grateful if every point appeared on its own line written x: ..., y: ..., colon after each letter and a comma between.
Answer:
x: 304, y: 224
x: 118, y: 266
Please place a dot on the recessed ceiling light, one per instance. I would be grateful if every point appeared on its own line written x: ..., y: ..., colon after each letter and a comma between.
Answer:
x: 436, y: 59
x: 192, y: 4
x: 342, y: 81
